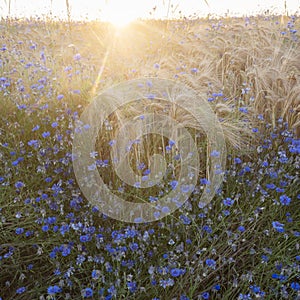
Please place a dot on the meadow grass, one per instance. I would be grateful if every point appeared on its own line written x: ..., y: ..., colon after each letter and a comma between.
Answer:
x: 244, y: 244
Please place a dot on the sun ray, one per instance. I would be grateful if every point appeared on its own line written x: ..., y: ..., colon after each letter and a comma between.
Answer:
x: 104, y: 61
x: 97, y: 81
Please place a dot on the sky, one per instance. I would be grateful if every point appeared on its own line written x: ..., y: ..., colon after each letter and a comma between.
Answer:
x: 126, y: 10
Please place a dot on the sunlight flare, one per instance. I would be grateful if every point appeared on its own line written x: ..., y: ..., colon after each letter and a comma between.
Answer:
x: 119, y: 13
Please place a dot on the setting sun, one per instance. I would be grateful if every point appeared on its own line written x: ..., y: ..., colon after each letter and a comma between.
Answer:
x: 119, y: 13
x: 119, y: 21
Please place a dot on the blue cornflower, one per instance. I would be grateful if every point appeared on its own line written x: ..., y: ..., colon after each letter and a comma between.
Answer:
x: 44, y: 196
x: 141, y: 166
x: 21, y: 290
x: 184, y: 188
x: 295, y: 286
x: 255, y: 289
x: 19, y: 230
x: 65, y: 251
x: 210, y: 263
x: 166, y: 282
x: 34, y: 143
x: 237, y: 160
x: 285, y: 200
x: 45, y: 228
x: 205, y: 295
x: 220, y: 94
x: 64, y: 229
x: 15, y: 162
x: 270, y: 186
x: 207, y: 229
x: 48, y: 179
x: 273, y: 175
x: 177, y: 157
x: 156, y: 214
x: 185, y: 220
x: 85, y: 238
x: 278, y: 226
x: 201, y: 215
x: 165, y: 209
x: 171, y: 143
x: 19, y: 184
x: 112, y: 142
x: 29, y: 233
x: 204, y: 181
x: 151, y: 96
x: 137, y: 185
x: 241, y: 228
x: 22, y: 106
x: 188, y: 241
x: 244, y: 297
x: 215, y: 153
x: 145, y: 178
x: 77, y: 56
x: 96, y: 274
x: 176, y: 272
x: 57, y: 272
x: 228, y: 201
x: 243, y: 110
x: 45, y: 134
x: 174, y: 184
x: 153, y: 199
x: 56, y: 187
x: 283, y: 183
x: 226, y: 212
x: 87, y: 292
x: 53, y: 289
x: 111, y: 290
x: 278, y: 276
x: 80, y: 259
x: 146, y: 172
x: 51, y: 220
x: 131, y: 286
x: 134, y: 246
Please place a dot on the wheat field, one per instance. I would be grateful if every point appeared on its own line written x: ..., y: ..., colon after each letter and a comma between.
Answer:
x: 244, y: 244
